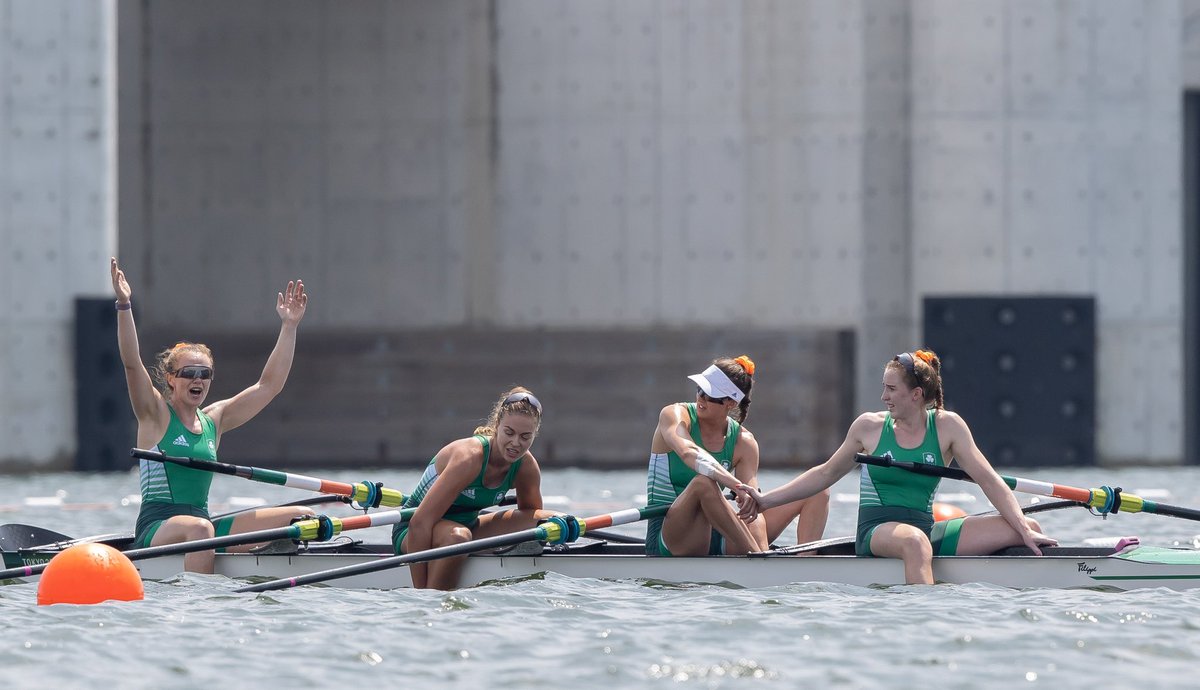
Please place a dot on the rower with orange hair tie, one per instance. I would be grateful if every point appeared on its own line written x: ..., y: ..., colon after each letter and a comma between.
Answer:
x: 700, y: 447
x: 895, y: 506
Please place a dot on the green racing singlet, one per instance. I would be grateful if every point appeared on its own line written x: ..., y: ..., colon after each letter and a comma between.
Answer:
x: 890, y: 494
x: 169, y: 489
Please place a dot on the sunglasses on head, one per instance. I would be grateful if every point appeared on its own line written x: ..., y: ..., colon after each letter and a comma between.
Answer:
x: 526, y: 397
x: 706, y: 396
x: 194, y: 372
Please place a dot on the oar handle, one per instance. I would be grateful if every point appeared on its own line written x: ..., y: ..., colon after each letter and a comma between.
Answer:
x: 206, y: 465
x: 917, y: 468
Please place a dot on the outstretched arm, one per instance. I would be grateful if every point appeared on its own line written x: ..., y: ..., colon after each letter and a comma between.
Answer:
x: 963, y: 449
x: 241, y: 408
x: 812, y: 481
x: 673, y: 427
x: 147, y: 402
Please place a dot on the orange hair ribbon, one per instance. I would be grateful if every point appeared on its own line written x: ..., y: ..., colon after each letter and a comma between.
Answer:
x: 747, y: 363
x: 925, y: 355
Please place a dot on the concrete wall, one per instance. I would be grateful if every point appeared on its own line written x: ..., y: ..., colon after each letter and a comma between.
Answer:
x: 346, y: 144
x: 1046, y: 148
x: 395, y: 398
x: 713, y: 166
x: 1190, y: 16
x: 694, y: 164
x: 57, y: 211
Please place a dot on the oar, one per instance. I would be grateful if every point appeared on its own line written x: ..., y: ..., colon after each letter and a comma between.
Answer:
x: 557, y: 529
x: 364, y: 493
x: 321, y: 528
x: 310, y: 501
x: 1106, y: 499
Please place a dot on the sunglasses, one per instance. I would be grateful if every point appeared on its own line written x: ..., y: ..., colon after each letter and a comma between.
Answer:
x: 524, y: 397
x: 706, y: 396
x: 194, y: 372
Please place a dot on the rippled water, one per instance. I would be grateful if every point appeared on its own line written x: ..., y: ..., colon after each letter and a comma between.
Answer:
x: 192, y: 631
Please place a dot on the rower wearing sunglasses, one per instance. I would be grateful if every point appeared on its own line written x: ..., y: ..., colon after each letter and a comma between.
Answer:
x: 171, y: 420
x: 471, y: 474
x: 700, y: 448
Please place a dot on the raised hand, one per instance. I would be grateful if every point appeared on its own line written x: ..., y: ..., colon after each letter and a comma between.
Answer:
x: 120, y: 285
x: 290, y: 305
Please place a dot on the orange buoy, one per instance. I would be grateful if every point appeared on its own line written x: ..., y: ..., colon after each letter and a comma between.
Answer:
x: 89, y: 574
x: 947, y: 511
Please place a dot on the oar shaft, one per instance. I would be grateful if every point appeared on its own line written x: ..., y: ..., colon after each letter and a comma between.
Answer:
x: 1095, y: 498
x: 303, y: 530
x: 548, y: 531
x: 358, y: 492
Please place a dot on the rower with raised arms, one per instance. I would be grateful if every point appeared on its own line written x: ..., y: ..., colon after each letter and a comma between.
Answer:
x: 700, y: 447
x: 895, y: 507
x: 172, y: 419
x: 471, y: 474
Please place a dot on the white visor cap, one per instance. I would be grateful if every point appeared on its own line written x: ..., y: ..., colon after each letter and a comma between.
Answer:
x: 716, y: 384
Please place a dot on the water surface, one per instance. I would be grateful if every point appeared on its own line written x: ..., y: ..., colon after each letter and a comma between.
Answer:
x: 192, y: 631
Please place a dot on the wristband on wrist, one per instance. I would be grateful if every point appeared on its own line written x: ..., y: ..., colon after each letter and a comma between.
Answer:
x: 124, y: 306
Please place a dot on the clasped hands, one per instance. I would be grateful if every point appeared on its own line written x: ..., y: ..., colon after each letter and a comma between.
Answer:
x: 749, y: 502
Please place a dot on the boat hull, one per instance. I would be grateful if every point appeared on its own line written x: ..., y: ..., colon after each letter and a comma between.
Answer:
x: 1076, y: 570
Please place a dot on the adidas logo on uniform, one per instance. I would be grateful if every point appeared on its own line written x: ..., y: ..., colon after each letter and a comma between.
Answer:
x: 179, y: 441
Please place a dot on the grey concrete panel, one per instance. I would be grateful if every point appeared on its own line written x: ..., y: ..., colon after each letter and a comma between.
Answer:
x: 958, y: 242
x: 289, y: 138
x: 1190, y: 15
x: 1050, y: 69
x: 1049, y: 195
x: 56, y: 167
x: 958, y: 59
x: 628, y: 151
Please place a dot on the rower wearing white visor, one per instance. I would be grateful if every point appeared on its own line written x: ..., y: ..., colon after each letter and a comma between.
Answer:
x: 701, y: 448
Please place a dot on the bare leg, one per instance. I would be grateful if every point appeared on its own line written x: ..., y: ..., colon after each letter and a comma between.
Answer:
x: 183, y: 528
x: 812, y: 511
x: 898, y: 540
x: 508, y: 521
x: 984, y: 534
x: 697, y: 511
x: 264, y: 518
x: 441, y: 573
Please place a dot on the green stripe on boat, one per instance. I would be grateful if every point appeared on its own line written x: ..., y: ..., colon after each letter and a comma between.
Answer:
x: 1160, y: 556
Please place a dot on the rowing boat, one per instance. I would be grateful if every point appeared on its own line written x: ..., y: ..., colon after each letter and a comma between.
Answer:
x: 832, y: 561
x: 576, y: 547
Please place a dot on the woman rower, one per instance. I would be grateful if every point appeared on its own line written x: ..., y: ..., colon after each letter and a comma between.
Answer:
x: 471, y: 474
x: 700, y: 447
x: 175, y: 498
x: 895, y: 506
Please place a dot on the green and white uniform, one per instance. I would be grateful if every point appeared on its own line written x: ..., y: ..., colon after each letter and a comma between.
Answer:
x: 169, y: 489
x: 472, y: 499
x: 889, y: 494
x: 669, y: 475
